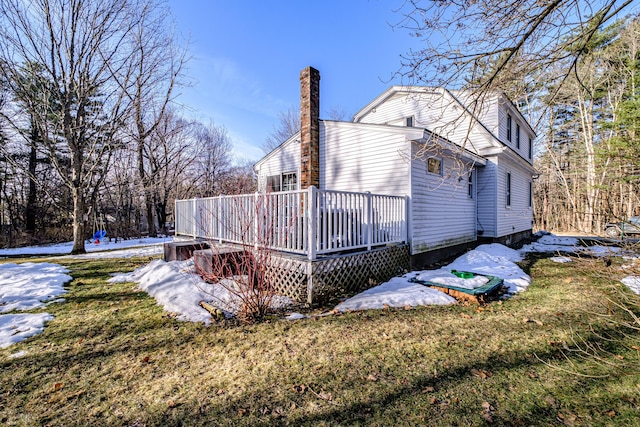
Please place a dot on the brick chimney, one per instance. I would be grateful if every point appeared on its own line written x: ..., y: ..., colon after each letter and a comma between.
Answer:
x: 309, y: 127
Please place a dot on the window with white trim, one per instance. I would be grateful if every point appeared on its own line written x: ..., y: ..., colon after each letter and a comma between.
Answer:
x: 434, y: 165
x: 287, y: 181
x: 273, y: 183
x: 470, y: 185
x: 409, y: 121
x: 517, y: 136
x: 530, y: 148
x: 509, y: 127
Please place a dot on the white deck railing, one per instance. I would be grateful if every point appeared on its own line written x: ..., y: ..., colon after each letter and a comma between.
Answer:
x: 311, y: 222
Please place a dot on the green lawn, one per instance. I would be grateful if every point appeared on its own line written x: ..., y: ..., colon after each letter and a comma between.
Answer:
x: 559, y: 353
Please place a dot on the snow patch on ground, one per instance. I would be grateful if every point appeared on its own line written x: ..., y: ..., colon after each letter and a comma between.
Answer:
x: 30, y: 285
x: 560, y: 259
x: 493, y: 260
x: 65, y: 248
x: 26, y: 287
x: 178, y: 289
x: 633, y: 283
x: 142, y: 251
x: 17, y: 327
x: 398, y: 292
x: 550, y: 243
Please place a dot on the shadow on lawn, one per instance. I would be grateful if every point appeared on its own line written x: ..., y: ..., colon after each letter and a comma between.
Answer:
x: 413, y: 394
x: 437, y: 406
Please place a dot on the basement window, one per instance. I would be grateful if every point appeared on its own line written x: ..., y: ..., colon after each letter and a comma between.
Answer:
x: 434, y: 165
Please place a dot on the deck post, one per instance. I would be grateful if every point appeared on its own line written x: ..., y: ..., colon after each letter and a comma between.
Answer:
x: 256, y: 220
x: 195, y: 218
x: 219, y: 219
x: 312, y: 210
x: 407, y: 218
x: 369, y: 217
x: 310, y: 282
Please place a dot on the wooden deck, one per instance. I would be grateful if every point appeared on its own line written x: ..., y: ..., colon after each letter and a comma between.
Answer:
x: 311, y: 281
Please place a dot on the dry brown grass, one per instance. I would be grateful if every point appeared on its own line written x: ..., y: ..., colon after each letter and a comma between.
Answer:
x: 111, y: 356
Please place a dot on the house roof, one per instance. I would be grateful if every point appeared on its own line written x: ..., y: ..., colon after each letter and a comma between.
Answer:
x: 454, y: 95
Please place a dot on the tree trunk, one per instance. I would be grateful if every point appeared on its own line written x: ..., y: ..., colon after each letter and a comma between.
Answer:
x: 151, y: 223
x: 78, y: 221
x: 161, y: 212
x: 30, y: 214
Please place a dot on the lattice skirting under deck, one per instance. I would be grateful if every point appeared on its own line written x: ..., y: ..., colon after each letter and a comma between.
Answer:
x: 315, y: 282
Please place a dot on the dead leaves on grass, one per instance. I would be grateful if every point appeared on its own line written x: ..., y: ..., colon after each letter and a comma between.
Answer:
x: 537, y: 322
x: 567, y: 419
x: 487, y: 411
x: 481, y: 373
x: 322, y: 394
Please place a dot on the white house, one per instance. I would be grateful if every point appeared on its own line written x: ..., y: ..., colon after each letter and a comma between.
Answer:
x: 465, y: 168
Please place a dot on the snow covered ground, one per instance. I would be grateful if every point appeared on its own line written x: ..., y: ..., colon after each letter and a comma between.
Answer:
x: 136, y: 247
x: 179, y: 290
x: 26, y: 287
x: 494, y: 260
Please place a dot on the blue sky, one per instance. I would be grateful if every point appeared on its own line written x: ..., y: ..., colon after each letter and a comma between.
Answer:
x: 247, y: 57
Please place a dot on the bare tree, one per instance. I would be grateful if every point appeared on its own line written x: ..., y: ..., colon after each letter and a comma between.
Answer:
x: 288, y: 125
x: 214, y: 158
x: 158, y: 66
x: 484, y: 45
x: 82, y: 47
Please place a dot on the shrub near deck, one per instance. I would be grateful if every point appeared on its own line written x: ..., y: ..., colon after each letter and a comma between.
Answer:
x: 111, y: 356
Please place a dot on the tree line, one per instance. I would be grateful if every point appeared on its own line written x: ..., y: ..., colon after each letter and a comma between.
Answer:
x: 90, y: 135
x: 589, y: 158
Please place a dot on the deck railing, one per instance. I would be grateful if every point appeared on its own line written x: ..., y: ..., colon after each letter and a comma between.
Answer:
x: 311, y: 222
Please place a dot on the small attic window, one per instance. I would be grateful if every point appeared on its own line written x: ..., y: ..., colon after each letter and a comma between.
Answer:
x: 434, y: 165
x: 409, y: 122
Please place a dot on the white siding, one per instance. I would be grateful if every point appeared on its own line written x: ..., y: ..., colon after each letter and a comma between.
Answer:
x: 284, y: 159
x: 486, y: 184
x: 435, y: 110
x: 504, y: 109
x: 519, y: 215
x: 442, y: 213
x: 356, y: 157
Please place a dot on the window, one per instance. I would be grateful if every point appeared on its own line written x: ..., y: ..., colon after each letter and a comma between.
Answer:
x: 434, y: 165
x: 273, y: 183
x: 409, y: 122
x: 285, y: 182
x: 470, y: 190
x: 508, y: 190
x: 289, y: 181
x: 517, y: 136
x: 530, y: 148
x: 530, y: 194
x: 509, y: 127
